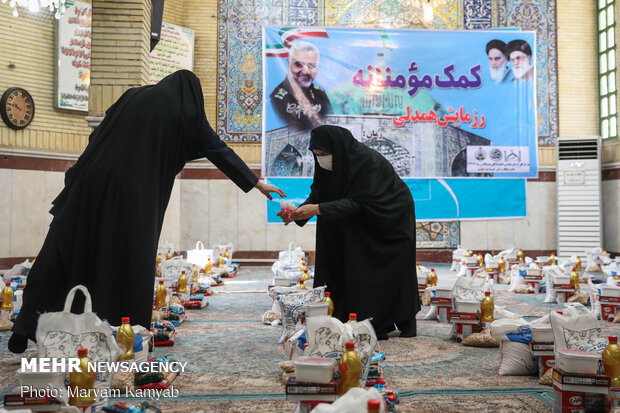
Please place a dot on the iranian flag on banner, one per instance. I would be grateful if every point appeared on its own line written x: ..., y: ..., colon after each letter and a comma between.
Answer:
x: 288, y: 35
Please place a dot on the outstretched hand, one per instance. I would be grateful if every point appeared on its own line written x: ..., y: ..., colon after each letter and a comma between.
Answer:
x: 267, y: 189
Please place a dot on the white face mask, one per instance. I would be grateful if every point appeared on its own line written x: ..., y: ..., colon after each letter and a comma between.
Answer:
x: 325, y: 161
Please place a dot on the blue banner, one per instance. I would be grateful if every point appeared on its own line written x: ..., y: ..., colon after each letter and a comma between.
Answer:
x: 438, y: 105
x: 435, y: 199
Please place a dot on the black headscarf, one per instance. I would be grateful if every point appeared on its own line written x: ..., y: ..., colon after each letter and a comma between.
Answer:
x: 361, y: 174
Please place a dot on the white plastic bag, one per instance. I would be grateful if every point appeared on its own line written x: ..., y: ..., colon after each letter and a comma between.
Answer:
x: 593, y: 291
x: 469, y: 289
x: 491, y: 261
x: 550, y: 273
x: 19, y: 271
x: 596, y: 260
x: 576, y: 329
x: 164, y: 248
x: 199, y: 255
x: 509, y: 254
x: 61, y: 334
x: 221, y: 249
x: 291, y: 307
x: 173, y: 268
x: 432, y: 313
x: 353, y: 401
x: 293, y: 346
x: 327, y: 336
x: 457, y: 256
x: 291, y: 257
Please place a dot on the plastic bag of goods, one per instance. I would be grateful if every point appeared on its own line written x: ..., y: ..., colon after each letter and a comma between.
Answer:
x: 327, y: 337
x: 576, y: 328
x: 457, y: 255
x: 292, y: 307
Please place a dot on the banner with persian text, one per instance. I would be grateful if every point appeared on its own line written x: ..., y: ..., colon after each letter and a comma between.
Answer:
x: 73, y: 57
x: 174, y: 51
x: 444, y: 107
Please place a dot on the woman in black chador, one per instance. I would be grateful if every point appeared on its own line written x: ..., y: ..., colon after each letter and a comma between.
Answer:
x: 108, y: 218
x: 365, y: 235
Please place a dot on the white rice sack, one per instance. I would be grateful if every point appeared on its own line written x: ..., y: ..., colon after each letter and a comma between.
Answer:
x: 516, y: 278
x: 549, y: 274
x: 516, y: 357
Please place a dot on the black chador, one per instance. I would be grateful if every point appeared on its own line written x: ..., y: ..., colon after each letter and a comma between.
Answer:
x: 365, y: 235
x: 108, y: 218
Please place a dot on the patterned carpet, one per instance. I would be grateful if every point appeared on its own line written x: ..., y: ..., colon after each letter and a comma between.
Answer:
x: 233, y: 359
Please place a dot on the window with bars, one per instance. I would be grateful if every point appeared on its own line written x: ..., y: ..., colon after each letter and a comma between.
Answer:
x: 608, y: 95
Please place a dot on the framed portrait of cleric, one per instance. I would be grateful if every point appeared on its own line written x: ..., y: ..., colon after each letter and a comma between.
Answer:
x: 453, y: 111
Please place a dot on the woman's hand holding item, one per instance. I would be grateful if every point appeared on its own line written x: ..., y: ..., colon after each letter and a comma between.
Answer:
x: 285, y: 217
x: 306, y: 212
x: 266, y: 190
x: 286, y: 209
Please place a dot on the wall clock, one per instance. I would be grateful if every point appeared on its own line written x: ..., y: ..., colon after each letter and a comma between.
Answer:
x: 16, y: 108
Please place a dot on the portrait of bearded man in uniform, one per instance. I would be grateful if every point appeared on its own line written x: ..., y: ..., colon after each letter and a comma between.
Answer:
x: 297, y: 100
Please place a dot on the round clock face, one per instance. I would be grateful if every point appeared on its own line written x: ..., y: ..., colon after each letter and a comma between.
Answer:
x: 16, y: 108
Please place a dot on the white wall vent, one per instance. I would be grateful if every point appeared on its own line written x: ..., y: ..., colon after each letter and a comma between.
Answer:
x: 579, y: 207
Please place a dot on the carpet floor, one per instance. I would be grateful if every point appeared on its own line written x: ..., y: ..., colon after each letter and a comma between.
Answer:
x: 233, y: 359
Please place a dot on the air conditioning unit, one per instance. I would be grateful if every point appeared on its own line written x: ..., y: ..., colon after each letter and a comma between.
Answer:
x: 579, y: 206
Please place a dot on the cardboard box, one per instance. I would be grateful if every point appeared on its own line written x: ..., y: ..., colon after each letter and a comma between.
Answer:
x: 588, y: 383
x: 534, y: 272
x: 565, y: 401
x: 296, y: 391
x: 463, y: 330
x: 542, y: 349
x: 545, y: 363
x: 562, y: 296
x: 608, y: 312
x: 465, y: 324
x: 443, y: 313
x: 308, y: 406
x: 14, y: 400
